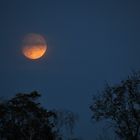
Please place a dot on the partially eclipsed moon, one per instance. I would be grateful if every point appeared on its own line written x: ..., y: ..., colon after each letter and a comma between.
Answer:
x: 34, y: 46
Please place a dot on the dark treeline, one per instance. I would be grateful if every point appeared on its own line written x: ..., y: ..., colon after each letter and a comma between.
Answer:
x: 23, y: 118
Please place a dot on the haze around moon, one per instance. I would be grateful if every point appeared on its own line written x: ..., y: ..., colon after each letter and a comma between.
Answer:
x: 34, y: 46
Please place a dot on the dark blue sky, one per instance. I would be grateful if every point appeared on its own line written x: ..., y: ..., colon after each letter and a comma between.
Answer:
x: 89, y: 42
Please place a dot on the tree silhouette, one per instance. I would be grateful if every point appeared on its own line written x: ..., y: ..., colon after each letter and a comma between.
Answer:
x: 65, y: 123
x: 23, y: 118
x: 121, y: 105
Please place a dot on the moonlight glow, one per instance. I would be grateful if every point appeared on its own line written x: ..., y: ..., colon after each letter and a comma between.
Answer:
x: 34, y: 46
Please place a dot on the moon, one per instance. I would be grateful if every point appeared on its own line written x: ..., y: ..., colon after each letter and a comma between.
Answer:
x: 34, y: 46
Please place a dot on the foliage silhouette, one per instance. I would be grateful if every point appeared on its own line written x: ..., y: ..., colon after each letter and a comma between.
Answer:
x: 121, y: 105
x: 23, y: 118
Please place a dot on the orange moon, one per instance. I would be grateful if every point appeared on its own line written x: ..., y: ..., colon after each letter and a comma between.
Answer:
x: 34, y: 46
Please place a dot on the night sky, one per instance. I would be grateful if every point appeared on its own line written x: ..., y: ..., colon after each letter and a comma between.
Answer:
x: 89, y: 42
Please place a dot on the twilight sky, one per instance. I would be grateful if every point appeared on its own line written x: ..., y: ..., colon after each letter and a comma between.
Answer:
x: 89, y: 42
